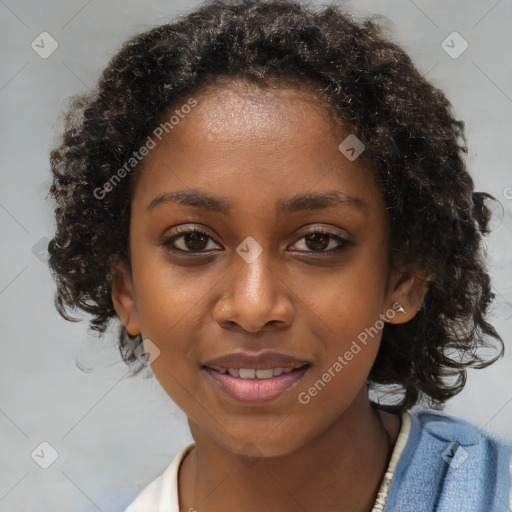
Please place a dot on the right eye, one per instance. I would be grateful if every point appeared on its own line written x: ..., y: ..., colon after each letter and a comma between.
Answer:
x: 191, y: 240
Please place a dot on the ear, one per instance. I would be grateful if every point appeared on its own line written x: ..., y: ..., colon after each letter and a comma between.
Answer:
x: 123, y: 298
x: 407, y: 292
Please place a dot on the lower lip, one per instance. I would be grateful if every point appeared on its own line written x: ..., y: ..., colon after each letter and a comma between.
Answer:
x: 257, y: 390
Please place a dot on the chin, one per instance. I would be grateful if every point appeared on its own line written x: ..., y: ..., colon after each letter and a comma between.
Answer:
x: 256, y: 445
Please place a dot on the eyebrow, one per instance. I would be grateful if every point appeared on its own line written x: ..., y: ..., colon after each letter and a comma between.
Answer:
x: 299, y: 202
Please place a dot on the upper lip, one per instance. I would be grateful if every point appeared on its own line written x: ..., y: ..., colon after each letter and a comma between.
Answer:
x: 257, y: 360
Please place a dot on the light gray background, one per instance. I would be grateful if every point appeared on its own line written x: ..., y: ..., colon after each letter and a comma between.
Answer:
x: 114, y: 435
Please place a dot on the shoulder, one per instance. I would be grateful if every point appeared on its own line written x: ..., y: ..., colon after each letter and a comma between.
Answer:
x: 462, y: 439
x: 161, y: 493
x: 450, y: 464
x: 444, y: 425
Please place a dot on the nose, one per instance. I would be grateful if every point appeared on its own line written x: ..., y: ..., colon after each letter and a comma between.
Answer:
x: 255, y: 297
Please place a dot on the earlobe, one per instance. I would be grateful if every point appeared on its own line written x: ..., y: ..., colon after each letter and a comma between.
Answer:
x: 407, y: 297
x: 123, y: 298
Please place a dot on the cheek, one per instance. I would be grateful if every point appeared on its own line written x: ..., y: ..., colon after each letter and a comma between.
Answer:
x: 167, y: 296
x: 170, y: 315
x: 175, y: 376
x: 349, y: 306
x: 347, y: 301
x: 336, y: 384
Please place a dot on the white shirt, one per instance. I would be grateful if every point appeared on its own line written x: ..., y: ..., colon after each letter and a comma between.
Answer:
x: 161, y: 495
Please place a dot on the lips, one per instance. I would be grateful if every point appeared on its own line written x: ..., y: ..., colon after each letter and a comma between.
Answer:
x: 255, y: 377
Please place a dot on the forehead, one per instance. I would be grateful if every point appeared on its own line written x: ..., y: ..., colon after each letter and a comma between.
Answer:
x: 243, y: 108
x: 278, y: 137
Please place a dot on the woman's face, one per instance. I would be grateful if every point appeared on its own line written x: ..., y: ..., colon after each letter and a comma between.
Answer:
x: 288, y: 271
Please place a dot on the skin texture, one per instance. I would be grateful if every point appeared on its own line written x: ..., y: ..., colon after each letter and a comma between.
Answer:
x: 254, y: 148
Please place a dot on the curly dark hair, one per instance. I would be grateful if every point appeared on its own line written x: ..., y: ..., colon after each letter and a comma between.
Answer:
x: 414, y: 146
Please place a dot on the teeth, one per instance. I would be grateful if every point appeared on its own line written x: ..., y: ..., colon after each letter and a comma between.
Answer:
x: 265, y: 374
x: 252, y: 373
x: 246, y: 373
x: 233, y: 372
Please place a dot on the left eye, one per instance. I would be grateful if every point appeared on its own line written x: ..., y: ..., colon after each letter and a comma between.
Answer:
x: 320, y: 240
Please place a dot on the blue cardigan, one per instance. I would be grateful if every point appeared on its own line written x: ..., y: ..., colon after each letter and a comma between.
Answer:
x: 449, y: 465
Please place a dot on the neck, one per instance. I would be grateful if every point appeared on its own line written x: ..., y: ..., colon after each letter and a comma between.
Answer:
x: 341, y: 469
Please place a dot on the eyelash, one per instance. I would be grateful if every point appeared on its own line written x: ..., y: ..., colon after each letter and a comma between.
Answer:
x: 168, y: 243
